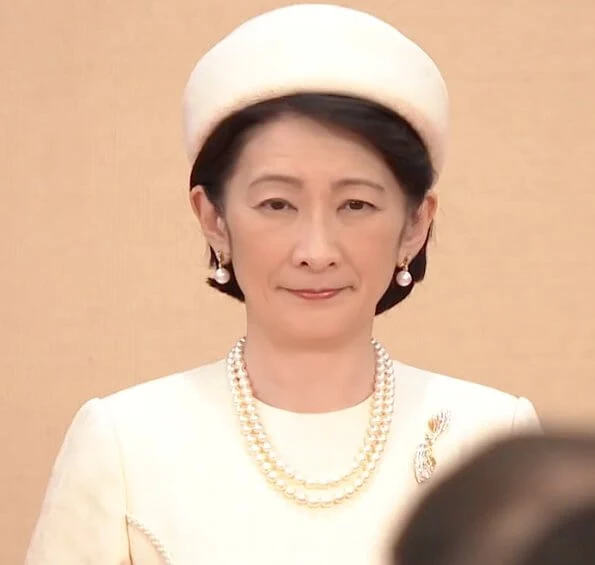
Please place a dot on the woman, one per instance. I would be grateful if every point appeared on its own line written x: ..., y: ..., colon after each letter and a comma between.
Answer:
x: 316, y: 135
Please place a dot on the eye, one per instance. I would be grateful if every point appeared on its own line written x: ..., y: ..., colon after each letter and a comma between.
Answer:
x: 358, y: 205
x: 276, y: 205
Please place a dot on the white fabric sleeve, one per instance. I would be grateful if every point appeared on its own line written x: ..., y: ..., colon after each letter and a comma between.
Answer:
x: 83, y: 515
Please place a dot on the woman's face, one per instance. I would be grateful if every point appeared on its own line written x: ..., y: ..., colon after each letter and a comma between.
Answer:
x: 314, y: 224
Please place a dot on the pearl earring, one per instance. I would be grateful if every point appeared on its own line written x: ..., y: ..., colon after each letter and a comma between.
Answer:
x: 404, y: 278
x: 222, y: 275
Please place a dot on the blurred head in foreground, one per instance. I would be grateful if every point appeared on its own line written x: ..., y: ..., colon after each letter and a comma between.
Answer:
x: 496, y: 507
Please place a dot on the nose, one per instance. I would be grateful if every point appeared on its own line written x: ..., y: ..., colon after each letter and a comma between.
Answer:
x: 316, y: 247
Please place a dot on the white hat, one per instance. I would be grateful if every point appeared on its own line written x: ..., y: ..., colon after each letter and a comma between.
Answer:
x: 316, y: 48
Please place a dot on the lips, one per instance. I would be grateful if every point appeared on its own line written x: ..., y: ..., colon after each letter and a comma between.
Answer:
x: 316, y: 294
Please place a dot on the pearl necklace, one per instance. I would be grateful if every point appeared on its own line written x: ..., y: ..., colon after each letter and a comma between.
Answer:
x: 293, y: 485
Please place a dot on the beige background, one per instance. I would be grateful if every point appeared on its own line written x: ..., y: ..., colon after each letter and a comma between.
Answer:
x: 102, y: 263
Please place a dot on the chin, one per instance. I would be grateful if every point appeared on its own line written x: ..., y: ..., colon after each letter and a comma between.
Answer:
x: 315, y: 337
x: 317, y: 326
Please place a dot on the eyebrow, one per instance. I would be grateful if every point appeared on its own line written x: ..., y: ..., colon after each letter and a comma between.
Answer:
x: 359, y: 181
x: 296, y: 182
x: 276, y: 178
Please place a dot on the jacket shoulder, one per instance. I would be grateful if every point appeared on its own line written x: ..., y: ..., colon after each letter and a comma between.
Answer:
x: 458, y: 390
x: 200, y: 390
x: 472, y: 406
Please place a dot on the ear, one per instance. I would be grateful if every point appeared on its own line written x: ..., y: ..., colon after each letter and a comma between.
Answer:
x: 417, y: 227
x: 212, y: 223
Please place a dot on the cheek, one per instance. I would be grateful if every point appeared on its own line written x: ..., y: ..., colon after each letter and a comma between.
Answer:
x: 377, y: 240
x: 374, y: 252
x: 254, y: 253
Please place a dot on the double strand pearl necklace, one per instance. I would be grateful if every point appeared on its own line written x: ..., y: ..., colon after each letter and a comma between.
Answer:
x: 293, y: 485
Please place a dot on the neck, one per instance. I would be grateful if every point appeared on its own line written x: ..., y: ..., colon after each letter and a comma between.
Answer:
x: 314, y: 377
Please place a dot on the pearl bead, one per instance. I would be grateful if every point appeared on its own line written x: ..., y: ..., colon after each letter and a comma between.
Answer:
x: 404, y: 278
x: 314, y: 493
x: 222, y: 275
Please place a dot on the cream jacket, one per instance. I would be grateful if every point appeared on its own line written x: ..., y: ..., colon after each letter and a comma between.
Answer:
x: 159, y: 474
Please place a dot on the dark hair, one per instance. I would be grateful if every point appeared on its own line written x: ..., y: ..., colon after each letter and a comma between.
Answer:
x: 463, y: 519
x: 389, y: 134
x: 570, y: 541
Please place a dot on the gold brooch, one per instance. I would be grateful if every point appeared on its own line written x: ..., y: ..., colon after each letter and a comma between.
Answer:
x: 425, y: 461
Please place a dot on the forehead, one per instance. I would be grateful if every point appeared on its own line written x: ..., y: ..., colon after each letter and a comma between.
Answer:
x: 302, y: 146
